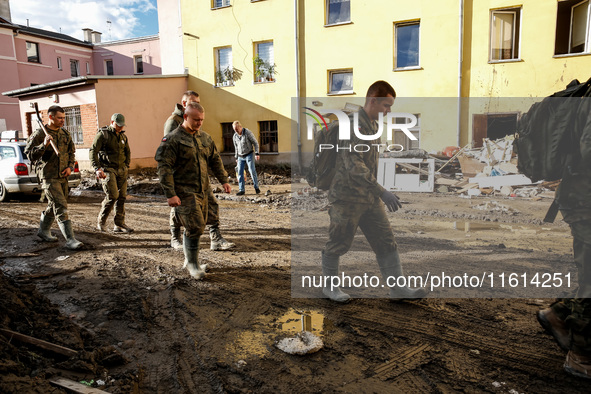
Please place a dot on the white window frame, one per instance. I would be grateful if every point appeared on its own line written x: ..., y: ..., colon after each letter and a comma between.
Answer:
x: 571, y: 31
x: 217, y: 68
x: 327, y: 11
x: 107, y: 68
x: 515, y: 42
x: 59, y: 63
x: 331, y: 73
x: 402, y: 24
x: 87, y: 68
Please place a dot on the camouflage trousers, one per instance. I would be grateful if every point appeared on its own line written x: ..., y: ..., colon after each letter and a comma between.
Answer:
x: 192, y: 214
x: 576, y: 312
x: 346, y: 217
x: 213, y: 213
x: 115, y: 188
x: 56, y: 191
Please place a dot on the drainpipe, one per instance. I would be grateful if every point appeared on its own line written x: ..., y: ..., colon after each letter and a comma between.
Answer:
x: 460, y: 53
x: 297, y: 63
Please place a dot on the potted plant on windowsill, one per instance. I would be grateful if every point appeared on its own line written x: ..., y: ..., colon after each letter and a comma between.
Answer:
x: 259, y: 69
x: 219, y: 78
x: 271, y: 71
x: 232, y: 75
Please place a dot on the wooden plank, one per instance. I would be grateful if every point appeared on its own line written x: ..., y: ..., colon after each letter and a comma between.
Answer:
x: 39, y: 343
x: 75, y: 386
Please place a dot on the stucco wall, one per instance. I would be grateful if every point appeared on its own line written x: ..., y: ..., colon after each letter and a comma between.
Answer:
x: 146, y: 103
x: 122, y: 54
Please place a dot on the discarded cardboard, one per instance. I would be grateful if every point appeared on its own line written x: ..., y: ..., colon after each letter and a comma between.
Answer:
x: 470, y: 166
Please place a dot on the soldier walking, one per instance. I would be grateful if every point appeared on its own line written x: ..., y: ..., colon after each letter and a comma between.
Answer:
x: 53, y: 170
x: 354, y: 197
x: 184, y: 158
x: 217, y: 241
x: 110, y: 157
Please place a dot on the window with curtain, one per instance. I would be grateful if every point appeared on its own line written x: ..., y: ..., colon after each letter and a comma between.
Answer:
x: 341, y: 81
x: 504, y: 34
x: 338, y: 11
x: 407, y: 44
x: 74, y: 124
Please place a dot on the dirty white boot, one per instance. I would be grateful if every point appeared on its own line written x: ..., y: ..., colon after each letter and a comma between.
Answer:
x: 217, y: 241
x: 44, y: 231
x: 191, y: 248
x: 330, y: 268
x: 68, y: 232
x: 390, y: 266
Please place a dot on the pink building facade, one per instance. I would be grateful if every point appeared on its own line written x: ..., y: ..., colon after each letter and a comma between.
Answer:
x: 30, y: 57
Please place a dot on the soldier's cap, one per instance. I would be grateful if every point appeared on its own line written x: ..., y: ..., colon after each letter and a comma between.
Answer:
x: 118, y: 119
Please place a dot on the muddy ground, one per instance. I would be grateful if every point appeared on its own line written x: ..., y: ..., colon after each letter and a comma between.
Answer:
x: 142, y: 325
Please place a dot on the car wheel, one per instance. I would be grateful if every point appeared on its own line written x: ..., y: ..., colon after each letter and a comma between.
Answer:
x: 3, y: 192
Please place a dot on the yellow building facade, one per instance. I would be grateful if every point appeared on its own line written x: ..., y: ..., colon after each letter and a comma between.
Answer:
x: 453, y: 63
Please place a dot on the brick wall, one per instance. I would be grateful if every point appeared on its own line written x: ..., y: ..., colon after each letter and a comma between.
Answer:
x: 89, y: 124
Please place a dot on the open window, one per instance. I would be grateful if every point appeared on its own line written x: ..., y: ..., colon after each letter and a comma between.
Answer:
x: 505, y: 34
x: 572, y: 27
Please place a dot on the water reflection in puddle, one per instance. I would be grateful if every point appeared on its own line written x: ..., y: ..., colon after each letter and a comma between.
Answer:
x: 295, y: 321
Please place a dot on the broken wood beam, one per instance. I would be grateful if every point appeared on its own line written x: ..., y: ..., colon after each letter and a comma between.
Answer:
x: 75, y: 386
x: 64, y: 351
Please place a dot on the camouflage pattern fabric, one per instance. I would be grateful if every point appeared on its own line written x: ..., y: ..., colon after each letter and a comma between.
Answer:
x: 213, y: 210
x: 174, y: 120
x: 110, y: 150
x: 48, y: 164
x: 49, y: 167
x: 115, y: 188
x: 346, y: 216
x: 56, y: 191
x: 192, y: 213
x: 183, y: 163
x: 356, y: 176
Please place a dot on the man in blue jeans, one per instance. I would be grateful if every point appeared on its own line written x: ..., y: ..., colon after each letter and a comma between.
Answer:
x: 246, y: 148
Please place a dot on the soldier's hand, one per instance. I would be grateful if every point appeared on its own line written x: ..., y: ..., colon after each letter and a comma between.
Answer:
x: 227, y: 188
x: 100, y: 174
x: 47, y: 139
x: 391, y: 200
x: 174, y: 201
x: 66, y: 173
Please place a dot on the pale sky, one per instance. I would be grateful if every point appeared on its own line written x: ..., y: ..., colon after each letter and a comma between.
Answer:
x: 129, y: 18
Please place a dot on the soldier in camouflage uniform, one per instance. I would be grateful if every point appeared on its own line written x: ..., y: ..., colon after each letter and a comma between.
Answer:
x: 110, y: 157
x: 569, y: 320
x: 354, y: 197
x: 53, y: 170
x: 184, y: 158
x: 218, y: 242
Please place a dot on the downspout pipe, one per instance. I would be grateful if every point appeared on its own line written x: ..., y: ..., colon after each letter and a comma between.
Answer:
x: 297, y: 75
x: 460, y: 60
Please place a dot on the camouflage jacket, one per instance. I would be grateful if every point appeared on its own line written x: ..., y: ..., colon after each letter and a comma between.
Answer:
x: 46, y: 163
x: 356, y: 175
x: 110, y: 150
x: 174, y: 120
x: 183, y: 162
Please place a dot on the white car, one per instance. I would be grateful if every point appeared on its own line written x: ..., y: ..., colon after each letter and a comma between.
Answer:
x: 15, y: 171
